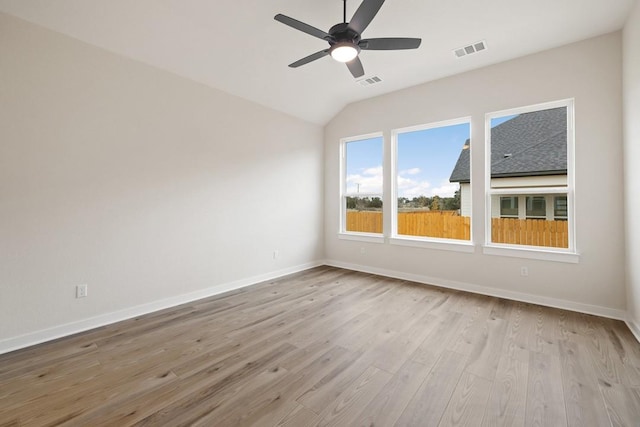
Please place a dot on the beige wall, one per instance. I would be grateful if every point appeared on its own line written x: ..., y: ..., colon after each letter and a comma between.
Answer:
x: 143, y: 185
x: 588, y: 71
x: 631, y: 78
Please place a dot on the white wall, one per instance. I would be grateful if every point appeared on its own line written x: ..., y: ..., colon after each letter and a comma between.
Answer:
x: 588, y: 71
x: 143, y: 185
x: 631, y: 81
x: 465, y: 199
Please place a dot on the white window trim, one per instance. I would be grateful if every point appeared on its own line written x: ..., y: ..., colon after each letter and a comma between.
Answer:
x: 362, y: 237
x: 570, y: 254
x: 342, y: 232
x: 434, y: 243
x: 420, y: 241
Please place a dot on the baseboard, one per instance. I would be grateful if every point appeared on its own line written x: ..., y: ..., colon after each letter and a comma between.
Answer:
x: 484, y: 290
x: 634, y: 327
x: 22, y: 341
x: 67, y: 329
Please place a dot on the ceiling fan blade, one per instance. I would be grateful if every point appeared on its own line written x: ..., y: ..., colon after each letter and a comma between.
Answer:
x: 310, y: 58
x: 364, y: 15
x: 301, y: 26
x: 356, y: 68
x: 391, y: 43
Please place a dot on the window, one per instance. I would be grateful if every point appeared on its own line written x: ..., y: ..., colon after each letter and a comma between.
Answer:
x: 560, y: 208
x: 530, y: 177
x: 536, y: 207
x: 509, y: 207
x: 361, y: 183
x: 432, y: 182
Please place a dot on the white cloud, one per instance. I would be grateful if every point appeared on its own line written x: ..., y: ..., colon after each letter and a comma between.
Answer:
x: 377, y: 171
x: 412, y: 171
x: 368, y: 181
x: 410, y: 188
x: 447, y: 189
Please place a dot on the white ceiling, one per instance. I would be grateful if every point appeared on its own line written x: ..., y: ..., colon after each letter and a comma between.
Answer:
x: 238, y: 47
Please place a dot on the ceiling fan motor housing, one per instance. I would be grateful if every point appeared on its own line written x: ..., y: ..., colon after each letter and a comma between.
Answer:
x: 342, y: 33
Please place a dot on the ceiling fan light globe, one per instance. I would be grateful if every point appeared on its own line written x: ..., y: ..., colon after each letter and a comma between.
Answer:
x: 344, y: 52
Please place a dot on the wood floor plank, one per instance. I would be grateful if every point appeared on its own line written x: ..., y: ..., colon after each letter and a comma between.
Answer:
x: 623, y: 403
x: 387, y: 406
x: 327, y: 389
x: 345, y: 409
x: 583, y: 400
x: 545, y: 398
x: 528, y: 330
x: 440, y: 337
x: 264, y: 403
x: 430, y: 401
x: 269, y: 354
x: 485, y: 354
x: 508, y: 397
x: 391, y: 354
x: 466, y: 406
x: 299, y: 417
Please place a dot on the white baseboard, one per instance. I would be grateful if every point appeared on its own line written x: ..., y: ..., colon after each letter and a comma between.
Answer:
x: 611, y: 313
x: 634, y: 327
x: 22, y: 341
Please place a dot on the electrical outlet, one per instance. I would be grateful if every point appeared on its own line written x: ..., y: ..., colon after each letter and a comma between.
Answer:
x: 362, y: 250
x: 524, y: 271
x: 276, y: 254
x: 81, y: 291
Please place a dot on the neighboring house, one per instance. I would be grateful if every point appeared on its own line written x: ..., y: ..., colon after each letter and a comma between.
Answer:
x: 527, y: 151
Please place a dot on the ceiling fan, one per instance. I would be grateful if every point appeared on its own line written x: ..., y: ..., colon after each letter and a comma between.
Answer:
x: 345, y: 39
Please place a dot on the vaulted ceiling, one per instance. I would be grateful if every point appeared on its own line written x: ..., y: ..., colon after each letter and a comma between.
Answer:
x: 238, y: 47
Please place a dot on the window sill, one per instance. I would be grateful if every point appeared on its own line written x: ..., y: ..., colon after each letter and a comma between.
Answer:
x: 362, y: 237
x: 532, y: 253
x: 440, y: 244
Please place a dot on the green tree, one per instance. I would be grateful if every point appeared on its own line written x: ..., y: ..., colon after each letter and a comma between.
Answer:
x: 351, y: 202
x: 375, y: 203
x: 435, y: 203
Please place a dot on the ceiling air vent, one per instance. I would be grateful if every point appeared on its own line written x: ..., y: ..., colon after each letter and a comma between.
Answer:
x: 468, y: 50
x: 368, y: 81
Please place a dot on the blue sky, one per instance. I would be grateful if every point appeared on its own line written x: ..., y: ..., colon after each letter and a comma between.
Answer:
x: 426, y: 159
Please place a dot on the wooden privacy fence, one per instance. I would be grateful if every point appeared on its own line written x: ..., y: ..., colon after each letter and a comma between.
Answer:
x: 364, y: 221
x: 443, y: 224
x: 448, y: 225
x: 534, y: 232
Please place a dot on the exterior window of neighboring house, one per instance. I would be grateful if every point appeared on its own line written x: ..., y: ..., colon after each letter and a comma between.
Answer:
x: 361, y: 184
x: 530, y: 178
x: 536, y: 207
x: 508, y: 207
x: 431, y: 182
x: 560, y: 208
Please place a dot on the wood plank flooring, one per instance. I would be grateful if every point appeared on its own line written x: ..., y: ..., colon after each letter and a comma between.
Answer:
x: 332, y: 347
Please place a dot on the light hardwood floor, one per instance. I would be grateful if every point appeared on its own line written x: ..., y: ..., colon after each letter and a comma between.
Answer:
x: 333, y: 347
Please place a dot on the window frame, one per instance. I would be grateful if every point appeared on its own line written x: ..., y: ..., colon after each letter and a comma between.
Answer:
x: 343, y: 233
x: 569, y: 254
x: 426, y: 241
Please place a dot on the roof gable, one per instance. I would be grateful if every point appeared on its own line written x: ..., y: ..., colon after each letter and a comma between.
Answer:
x: 529, y: 144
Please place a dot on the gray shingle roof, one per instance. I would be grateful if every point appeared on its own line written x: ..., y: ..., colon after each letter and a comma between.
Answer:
x: 529, y: 144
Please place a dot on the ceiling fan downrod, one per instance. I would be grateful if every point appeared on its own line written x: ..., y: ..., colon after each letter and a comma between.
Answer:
x: 344, y: 11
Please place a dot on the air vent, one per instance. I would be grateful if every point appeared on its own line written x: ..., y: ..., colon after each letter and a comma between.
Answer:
x: 468, y: 50
x: 368, y: 81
